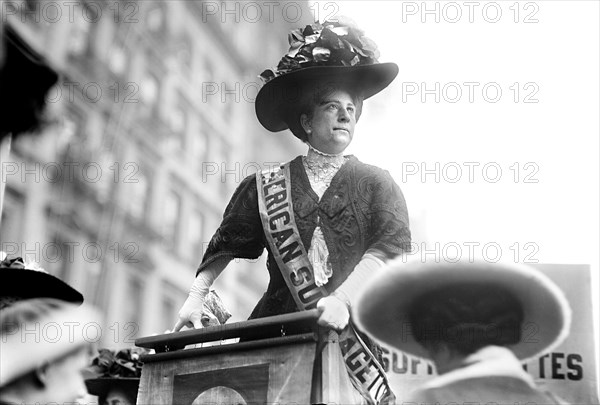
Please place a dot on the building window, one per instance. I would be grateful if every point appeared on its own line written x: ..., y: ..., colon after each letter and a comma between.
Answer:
x: 184, y: 55
x: 228, y: 108
x: 199, y: 141
x: 171, y: 214
x: 133, y: 304
x: 209, y: 75
x: 178, y: 122
x: 60, y: 258
x: 93, y: 271
x: 117, y: 58
x: 169, y: 313
x: 149, y: 88
x: 107, y: 163
x: 138, y: 192
x: 155, y: 19
x: 79, y: 39
x: 221, y: 159
x: 72, y: 130
x: 195, y: 238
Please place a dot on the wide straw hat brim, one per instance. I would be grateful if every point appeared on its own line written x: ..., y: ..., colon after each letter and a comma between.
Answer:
x: 385, y: 303
x: 282, y: 95
x: 25, y: 284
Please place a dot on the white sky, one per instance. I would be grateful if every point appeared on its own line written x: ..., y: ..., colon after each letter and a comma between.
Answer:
x: 554, y: 141
x: 558, y: 137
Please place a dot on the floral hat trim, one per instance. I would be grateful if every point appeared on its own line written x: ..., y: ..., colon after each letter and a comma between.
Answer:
x: 332, y: 43
x: 122, y: 364
x: 19, y: 263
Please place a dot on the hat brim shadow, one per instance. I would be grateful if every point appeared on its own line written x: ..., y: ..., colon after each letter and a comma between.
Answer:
x: 282, y: 95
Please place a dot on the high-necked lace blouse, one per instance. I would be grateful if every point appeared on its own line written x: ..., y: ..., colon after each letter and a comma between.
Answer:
x: 320, y: 170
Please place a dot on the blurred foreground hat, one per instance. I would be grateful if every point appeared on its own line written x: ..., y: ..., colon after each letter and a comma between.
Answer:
x: 39, y: 331
x: 320, y: 53
x: 21, y: 281
x: 384, y: 306
x: 25, y: 78
x: 116, y: 370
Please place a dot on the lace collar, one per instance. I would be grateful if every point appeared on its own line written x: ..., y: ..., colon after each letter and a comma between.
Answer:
x: 316, y: 160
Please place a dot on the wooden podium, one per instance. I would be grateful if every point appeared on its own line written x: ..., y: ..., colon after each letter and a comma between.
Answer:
x: 281, y: 359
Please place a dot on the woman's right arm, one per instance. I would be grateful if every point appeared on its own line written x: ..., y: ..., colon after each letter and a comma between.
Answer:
x: 240, y: 235
x: 190, y: 314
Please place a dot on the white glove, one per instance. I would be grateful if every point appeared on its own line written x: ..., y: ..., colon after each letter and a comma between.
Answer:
x: 190, y: 314
x: 334, y: 313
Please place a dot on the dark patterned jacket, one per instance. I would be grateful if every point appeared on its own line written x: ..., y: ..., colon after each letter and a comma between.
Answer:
x: 362, y: 209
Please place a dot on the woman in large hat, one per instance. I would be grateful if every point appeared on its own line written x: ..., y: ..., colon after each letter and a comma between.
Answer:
x: 468, y: 318
x: 348, y: 217
x: 116, y: 376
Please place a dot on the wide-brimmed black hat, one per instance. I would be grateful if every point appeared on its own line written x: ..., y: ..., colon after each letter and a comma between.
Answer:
x: 115, y: 371
x: 320, y: 55
x: 21, y: 282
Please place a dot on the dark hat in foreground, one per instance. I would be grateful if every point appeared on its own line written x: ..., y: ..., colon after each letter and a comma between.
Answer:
x: 384, y: 306
x: 331, y: 52
x: 21, y: 282
x: 115, y: 370
x: 25, y: 79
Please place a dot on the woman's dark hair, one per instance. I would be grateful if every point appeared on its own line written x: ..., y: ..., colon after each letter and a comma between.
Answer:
x: 311, y: 96
x: 467, y: 317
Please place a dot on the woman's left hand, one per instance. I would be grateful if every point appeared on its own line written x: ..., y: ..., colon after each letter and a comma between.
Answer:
x: 334, y: 313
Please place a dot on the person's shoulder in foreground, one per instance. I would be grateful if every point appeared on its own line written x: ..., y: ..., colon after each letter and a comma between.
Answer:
x: 484, y: 390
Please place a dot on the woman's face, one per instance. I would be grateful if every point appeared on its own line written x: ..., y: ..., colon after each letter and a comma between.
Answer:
x: 331, y: 127
x: 117, y: 397
x: 63, y: 379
